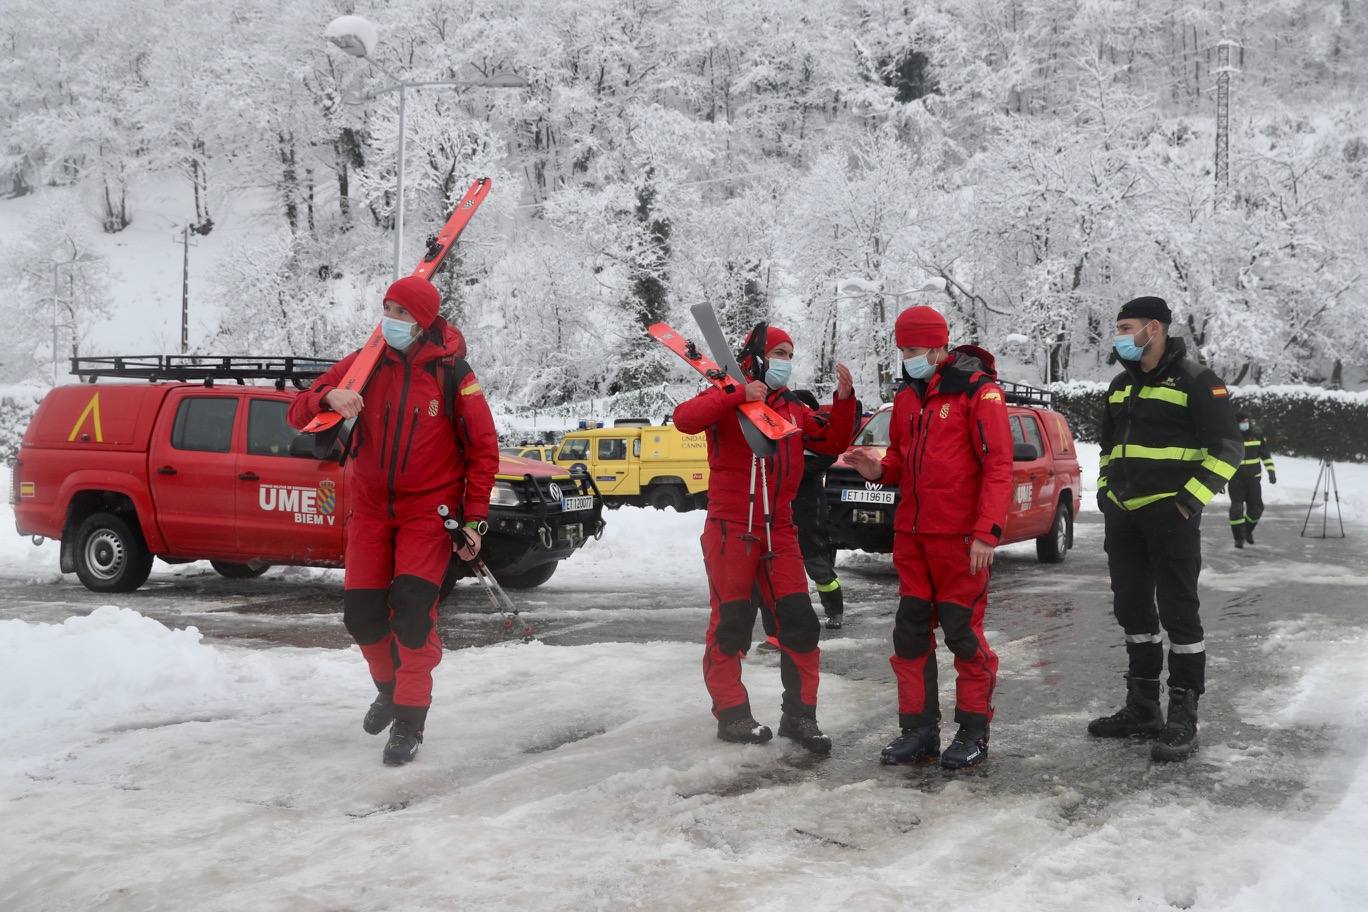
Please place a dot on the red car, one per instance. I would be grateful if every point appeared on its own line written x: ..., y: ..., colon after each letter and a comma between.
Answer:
x: 1045, y: 472
x: 184, y: 471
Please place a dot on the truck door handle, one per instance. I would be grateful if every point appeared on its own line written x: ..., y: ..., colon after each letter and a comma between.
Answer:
x: 248, y: 476
x: 166, y: 470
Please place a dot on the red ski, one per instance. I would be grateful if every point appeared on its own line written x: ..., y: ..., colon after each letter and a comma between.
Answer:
x: 359, y: 374
x: 765, y: 419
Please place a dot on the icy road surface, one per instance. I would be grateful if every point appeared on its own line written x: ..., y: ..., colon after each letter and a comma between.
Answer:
x: 149, y: 766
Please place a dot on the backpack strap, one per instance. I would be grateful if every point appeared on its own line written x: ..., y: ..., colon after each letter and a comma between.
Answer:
x: 449, y: 373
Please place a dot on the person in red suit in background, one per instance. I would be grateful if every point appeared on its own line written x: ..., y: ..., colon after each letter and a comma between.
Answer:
x: 737, y: 550
x: 423, y: 437
x: 950, y: 454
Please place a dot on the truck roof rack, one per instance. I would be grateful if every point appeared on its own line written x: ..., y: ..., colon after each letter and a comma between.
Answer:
x: 300, y: 371
x: 1021, y: 394
x: 632, y: 422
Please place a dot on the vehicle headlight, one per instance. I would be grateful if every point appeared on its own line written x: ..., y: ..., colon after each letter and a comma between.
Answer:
x: 504, y: 495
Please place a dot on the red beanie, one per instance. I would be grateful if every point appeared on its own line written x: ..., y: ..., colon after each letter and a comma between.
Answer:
x: 416, y: 295
x: 921, y: 327
x: 774, y: 337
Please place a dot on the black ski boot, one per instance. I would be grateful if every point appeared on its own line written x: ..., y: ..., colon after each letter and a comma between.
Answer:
x: 970, y: 748
x: 381, y: 712
x: 1141, y: 717
x: 914, y: 745
x: 804, y: 730
x: 744, y: 731
x: 1179, y: 738
x: 405, y: 736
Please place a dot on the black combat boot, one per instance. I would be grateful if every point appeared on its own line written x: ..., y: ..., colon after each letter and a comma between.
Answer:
x: 833, y: 604
x: 970, y: 747
x: 914, y: 745
x: 743, y: 731
x: 405, y: 736
x: 381, y: 712
x: 804, y: 730
x: 1179, y: 738
x: 1249, y: 532
x: 1141, y: 717
x: 1239, y: 533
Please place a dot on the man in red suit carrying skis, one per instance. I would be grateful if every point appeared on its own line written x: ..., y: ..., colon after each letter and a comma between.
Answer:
x: 750, y: 543
x: 950, y: 453
x: 423, y: 437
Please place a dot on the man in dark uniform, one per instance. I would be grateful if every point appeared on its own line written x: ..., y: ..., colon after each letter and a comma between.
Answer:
x: 1246, y: 491
x: 1169, y: 444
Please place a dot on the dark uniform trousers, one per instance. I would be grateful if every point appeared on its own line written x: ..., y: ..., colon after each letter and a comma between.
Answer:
x: 1155, y: 556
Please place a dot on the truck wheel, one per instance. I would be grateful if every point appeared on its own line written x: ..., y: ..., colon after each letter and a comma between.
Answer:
x: 1054, y: 545
x: 239, y: 571
x: 110, y: 554
x: 662, y: 496
x: 528, y: 579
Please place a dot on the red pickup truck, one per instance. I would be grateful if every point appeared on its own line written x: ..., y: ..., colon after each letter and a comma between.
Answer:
x: 122, y: 472
x: 1045, y: 472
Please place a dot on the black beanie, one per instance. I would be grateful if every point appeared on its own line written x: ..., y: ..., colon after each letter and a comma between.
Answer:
x: 1146, y: 308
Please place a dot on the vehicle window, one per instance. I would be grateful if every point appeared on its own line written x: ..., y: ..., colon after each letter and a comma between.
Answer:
x: 205, y: 423
x: 1018, y: 435
x: 510, y: 451
x: 612, y: 448
x: 575, y: 448
x: 1031, y: 429
x: 636, y: 447
x: 268, y: 433
x: 532, y: 454
x: 875, y: 432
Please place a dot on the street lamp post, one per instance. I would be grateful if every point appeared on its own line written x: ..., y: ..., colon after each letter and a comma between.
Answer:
x: 358, y: 37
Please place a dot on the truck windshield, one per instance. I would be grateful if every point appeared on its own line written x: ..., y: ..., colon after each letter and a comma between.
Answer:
x: 875, y: 432
x: 575, y: 448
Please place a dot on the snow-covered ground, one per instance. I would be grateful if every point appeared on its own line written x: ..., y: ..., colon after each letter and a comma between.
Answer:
x: 146, y: 768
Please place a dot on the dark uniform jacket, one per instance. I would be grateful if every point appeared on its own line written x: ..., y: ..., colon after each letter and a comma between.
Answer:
x: 1169, y: 433
x: 1256, y: 452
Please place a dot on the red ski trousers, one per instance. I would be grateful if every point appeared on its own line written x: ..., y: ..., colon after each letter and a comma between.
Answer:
x: 740, y: 575
x: 395, y: 569
x: 936, y: 587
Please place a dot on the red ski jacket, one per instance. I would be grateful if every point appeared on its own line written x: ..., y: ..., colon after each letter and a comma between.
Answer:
x: 950, y: 450
x: 410, y: 452
x: 729, y: 456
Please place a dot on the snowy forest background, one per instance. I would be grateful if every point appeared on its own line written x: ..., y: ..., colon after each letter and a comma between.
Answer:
x: 818, y: 163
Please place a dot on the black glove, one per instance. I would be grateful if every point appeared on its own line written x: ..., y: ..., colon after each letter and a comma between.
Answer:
x: 1272, y: 477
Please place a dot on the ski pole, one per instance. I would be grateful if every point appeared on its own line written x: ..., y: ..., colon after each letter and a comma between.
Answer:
x: 750, y: 514
x: 764, y: 496
x: 497, y: 596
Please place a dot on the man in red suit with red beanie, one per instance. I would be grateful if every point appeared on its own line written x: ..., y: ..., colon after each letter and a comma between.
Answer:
x: 950, y: 453
x: 423, y: 437
x: 736, y: 550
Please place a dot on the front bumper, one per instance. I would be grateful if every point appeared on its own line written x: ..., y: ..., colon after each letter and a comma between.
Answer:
x: 539, y: 529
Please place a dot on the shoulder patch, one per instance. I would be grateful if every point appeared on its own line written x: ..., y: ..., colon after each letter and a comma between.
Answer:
x: 1220, y: 392
x: 470, y: 386
x: 991, y: 396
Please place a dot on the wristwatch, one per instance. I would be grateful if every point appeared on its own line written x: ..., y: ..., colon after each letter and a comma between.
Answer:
x: 478, y: 526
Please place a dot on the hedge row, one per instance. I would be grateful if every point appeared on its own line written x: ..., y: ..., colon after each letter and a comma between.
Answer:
x: 1296, y: 420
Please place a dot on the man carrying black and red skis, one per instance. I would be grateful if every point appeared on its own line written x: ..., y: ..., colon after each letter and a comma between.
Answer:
x: 424, y: 437
x: 950, y: 453
x: 750, y: 542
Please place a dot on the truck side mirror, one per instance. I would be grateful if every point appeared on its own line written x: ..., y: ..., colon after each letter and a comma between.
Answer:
x: 1024, y: 452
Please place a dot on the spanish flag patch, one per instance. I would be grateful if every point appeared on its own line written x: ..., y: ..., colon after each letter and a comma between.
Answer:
x: 1220, y: 392
x: 471, y: 387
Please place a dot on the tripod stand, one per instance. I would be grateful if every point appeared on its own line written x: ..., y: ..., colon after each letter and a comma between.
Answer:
x: 1326, y: 485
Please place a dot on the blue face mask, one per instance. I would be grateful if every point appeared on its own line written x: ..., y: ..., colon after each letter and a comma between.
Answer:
x: 1127, y: 350
x: 919, y: 368
x: 778, y: 373
x: 397, y: 333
